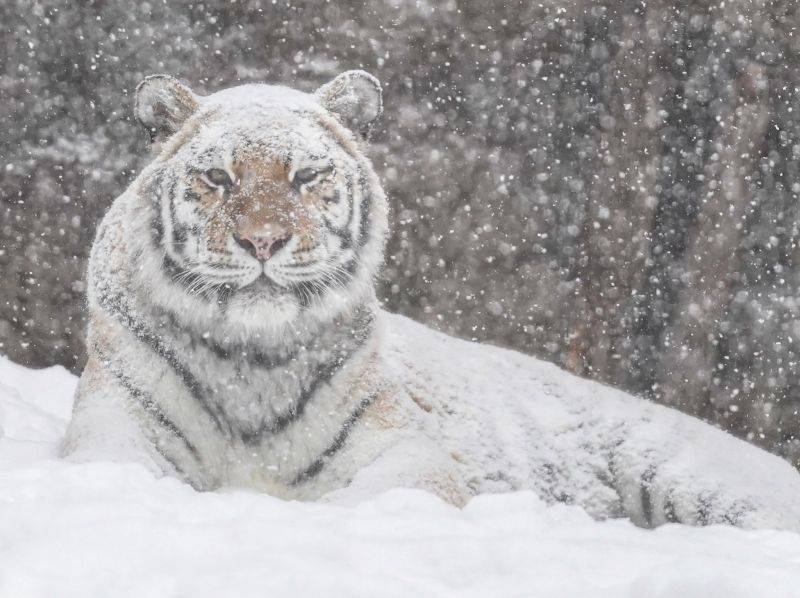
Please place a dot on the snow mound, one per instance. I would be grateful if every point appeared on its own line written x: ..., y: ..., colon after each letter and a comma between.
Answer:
x: 103, y: 529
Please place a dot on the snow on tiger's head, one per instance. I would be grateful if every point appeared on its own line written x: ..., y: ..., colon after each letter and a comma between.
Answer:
x: 264, y: 208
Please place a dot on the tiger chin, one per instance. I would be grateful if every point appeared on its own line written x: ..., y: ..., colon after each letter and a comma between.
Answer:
x: 235, y: 339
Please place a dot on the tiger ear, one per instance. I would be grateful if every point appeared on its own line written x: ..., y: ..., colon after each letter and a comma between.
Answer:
x: 163, y: 104
x: 355, y: 97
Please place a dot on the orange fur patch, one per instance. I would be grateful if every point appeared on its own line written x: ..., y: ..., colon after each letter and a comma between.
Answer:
x: 261, y: 195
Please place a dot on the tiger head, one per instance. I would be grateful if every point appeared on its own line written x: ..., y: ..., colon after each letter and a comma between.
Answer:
x: 263, y: 207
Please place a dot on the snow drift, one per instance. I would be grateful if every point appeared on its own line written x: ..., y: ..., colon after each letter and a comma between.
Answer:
x: 116, y: 530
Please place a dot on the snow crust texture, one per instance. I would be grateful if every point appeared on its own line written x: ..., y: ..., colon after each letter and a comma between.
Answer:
x: 105, y: 529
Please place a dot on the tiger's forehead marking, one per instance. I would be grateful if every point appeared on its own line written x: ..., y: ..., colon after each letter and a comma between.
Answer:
x: 281, y: 135
x: 237, y: 123
x: 260, y: 115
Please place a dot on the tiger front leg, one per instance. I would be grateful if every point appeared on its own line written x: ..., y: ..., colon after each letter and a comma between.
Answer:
x: 103, y: 428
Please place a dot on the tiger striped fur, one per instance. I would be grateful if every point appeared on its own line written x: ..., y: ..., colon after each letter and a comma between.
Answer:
x: 235, y: 340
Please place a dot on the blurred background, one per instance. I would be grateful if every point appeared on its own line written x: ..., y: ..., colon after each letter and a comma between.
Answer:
x: 608, y: 185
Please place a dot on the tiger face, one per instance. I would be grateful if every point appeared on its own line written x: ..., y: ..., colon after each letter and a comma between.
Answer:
x: 263, y: 204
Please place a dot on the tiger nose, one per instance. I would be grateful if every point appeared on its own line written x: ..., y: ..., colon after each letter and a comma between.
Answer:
x: 265, y: 243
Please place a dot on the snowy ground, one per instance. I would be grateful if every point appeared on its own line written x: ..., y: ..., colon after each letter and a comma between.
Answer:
x: 111, y: 530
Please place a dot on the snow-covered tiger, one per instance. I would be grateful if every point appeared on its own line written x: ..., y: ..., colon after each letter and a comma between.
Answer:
x: 235, y: 339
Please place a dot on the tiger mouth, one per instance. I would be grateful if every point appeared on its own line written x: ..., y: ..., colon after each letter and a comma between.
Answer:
x: 263, y: 284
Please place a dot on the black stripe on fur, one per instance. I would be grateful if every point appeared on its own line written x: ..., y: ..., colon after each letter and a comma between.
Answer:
x: 116, y: 306
x: 150, y: 406
x: 323, y: 375
x: 366, y: 206
x: 338, y: 442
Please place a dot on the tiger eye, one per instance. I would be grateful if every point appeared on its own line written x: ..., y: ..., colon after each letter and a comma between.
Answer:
x: 218, y: 177
x: 305, y: 175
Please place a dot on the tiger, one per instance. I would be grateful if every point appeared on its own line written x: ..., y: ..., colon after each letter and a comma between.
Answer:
x: 236, y: 339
